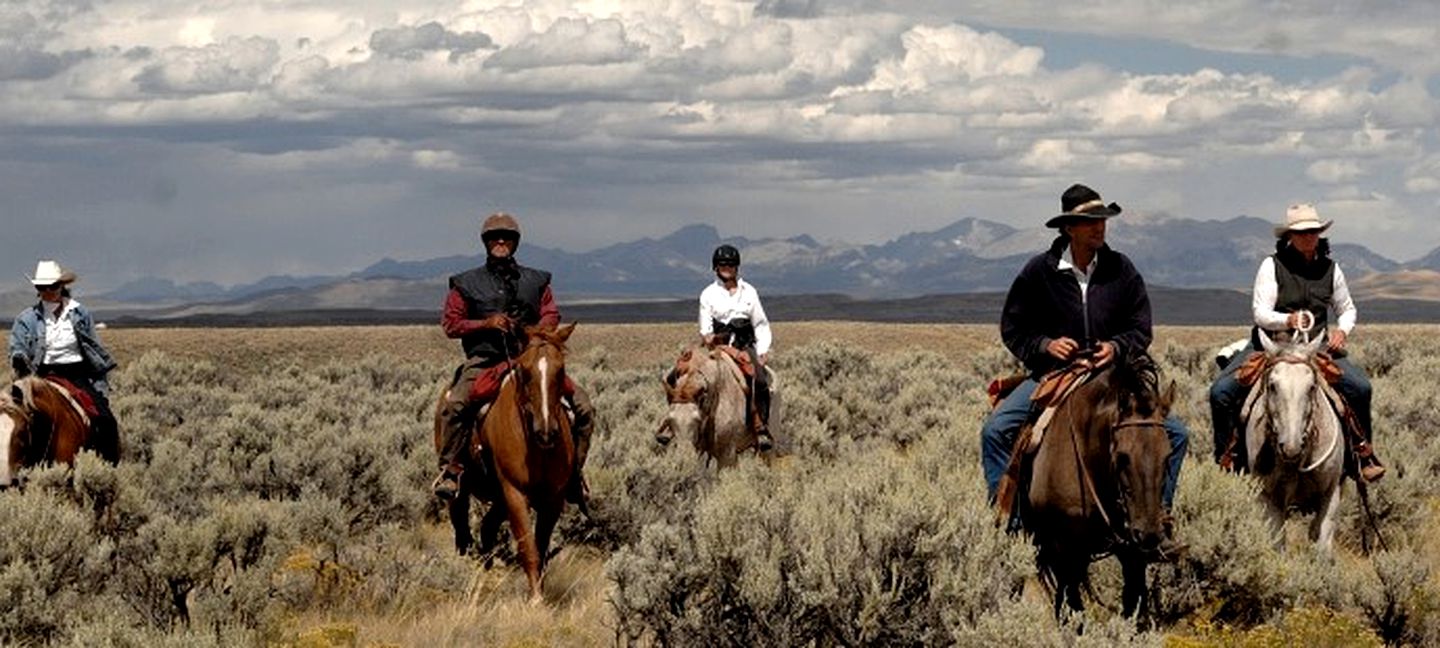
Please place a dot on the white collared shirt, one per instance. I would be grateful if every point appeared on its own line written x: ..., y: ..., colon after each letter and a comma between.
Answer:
x: 1067, y: 264
x: 61, y: 345
x: 718, y: 304
x: 1262, y: 300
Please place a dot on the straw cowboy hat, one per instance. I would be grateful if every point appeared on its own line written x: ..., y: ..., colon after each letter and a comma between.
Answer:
x: 49, y: 272
x: 1080, y: 201
x: 1301, y: 218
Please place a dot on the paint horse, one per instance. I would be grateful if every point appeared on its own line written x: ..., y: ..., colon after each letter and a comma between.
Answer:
x: 41, y: 422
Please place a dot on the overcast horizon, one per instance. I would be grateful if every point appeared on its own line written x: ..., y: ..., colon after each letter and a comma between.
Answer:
x: 200, y: 140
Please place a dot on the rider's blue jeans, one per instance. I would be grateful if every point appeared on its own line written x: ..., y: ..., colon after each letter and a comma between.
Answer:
x: 997, y: 438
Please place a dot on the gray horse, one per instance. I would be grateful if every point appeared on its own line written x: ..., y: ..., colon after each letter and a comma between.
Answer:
x: 707, y: 403
x: 1294, y: 439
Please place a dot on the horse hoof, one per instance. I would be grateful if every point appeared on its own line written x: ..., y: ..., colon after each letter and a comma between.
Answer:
x: 536, y: 600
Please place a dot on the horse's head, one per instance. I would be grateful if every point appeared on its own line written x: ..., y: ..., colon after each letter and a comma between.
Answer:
x: 1140, y: 449
x: 685, y: 396
x: 541, y: 372
x: 1291, y: 394
x: 16, y: 407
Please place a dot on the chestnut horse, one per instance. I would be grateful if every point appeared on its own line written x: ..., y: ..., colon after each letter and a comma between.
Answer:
x: 529, y: 451
x: 41, y: 423
x: 707, y: 403
x: 1097, y: 479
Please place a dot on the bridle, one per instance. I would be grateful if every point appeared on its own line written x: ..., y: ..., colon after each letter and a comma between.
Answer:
x: 516, y: 372
x: 1119, y: 533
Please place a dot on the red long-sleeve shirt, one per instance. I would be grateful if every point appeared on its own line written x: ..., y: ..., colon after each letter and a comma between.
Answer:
x: 453, y: 317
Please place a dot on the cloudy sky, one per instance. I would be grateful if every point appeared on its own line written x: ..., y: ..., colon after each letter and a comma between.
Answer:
x: 226, y: 140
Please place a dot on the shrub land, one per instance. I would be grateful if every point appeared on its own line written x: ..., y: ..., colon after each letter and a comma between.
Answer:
x: 274, y: 489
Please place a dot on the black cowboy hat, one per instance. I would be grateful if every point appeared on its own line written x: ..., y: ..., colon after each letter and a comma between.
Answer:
x: 1080, y: 201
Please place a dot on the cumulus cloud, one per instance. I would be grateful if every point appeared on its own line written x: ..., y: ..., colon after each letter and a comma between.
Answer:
x: 820, y: 106
x: 414, y: 41
x: 570, y: 41
x: 1334, y: 171
x: 235, y: 65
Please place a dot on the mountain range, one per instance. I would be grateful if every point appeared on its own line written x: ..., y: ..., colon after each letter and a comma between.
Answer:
x: 968, y: 256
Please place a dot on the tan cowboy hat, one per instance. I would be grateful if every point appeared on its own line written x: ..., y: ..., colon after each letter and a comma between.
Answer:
x: 48, y: 272
x: 1301, y: 218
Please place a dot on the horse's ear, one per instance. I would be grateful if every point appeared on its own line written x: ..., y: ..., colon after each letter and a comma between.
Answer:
x: 563, y: 333
x: 1315, y: 344
x: 1267, y: 343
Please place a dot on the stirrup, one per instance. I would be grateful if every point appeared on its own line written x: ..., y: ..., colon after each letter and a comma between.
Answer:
x: 1372, y: 472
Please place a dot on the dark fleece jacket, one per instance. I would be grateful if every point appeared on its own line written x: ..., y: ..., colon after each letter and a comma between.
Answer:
x: 1045, y: 304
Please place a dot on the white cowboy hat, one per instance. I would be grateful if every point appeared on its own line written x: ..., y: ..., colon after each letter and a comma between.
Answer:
x: 1301, y: 218
x: 49, y: 272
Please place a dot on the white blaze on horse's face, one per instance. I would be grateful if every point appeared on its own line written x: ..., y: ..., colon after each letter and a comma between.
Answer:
x: 544, y: 368
x: 1292, y: 392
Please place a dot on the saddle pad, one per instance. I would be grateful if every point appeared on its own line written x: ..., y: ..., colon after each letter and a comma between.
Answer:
x: 82, y: 398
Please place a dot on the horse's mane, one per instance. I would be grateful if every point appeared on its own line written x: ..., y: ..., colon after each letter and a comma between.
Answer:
x: 1137, y: 385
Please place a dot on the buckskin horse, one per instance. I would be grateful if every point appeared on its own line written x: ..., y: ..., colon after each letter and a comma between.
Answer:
x: 707, y: 403
x: 41, y: 423
x: 1096, y: 481
x: 1293, y: 438
x: 529, y: 452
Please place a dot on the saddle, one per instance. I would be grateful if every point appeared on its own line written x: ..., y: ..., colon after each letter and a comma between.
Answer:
x: 1049, y: 395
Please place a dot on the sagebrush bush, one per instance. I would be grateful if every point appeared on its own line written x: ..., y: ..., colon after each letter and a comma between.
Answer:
x: 255, y: 490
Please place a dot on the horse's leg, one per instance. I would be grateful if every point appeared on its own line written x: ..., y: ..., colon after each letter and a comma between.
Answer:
x: 517, y: 509
x: 1134, y: 596
x: 547, y: 514
x: 490, y: 531
x: 460, y: 521
x: 1322, y: 528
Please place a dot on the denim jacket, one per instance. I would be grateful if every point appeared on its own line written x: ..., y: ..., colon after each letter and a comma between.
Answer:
x: 27, y: 340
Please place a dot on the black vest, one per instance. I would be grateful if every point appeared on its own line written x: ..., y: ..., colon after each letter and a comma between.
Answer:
x: 486, y: 294
x: 1303, y: 286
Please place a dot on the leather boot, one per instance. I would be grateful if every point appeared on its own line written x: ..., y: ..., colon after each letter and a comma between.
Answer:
x: 1370, y: 467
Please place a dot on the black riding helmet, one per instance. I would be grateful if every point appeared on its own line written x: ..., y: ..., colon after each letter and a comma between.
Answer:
x: 725, y: 255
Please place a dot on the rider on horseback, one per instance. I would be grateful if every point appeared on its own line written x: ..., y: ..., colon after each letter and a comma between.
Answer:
x: 488, y: 309
x: 1079, y: 299
x: 1295, y: 289
x: 730, y: 313
x: 56, y: 338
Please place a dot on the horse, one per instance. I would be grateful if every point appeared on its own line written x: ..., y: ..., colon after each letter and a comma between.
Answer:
x: 1097, y: 479
x: 42, y: 423
x: 1293, y: 438
x: 707, y: 402
x: 531, y: 454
